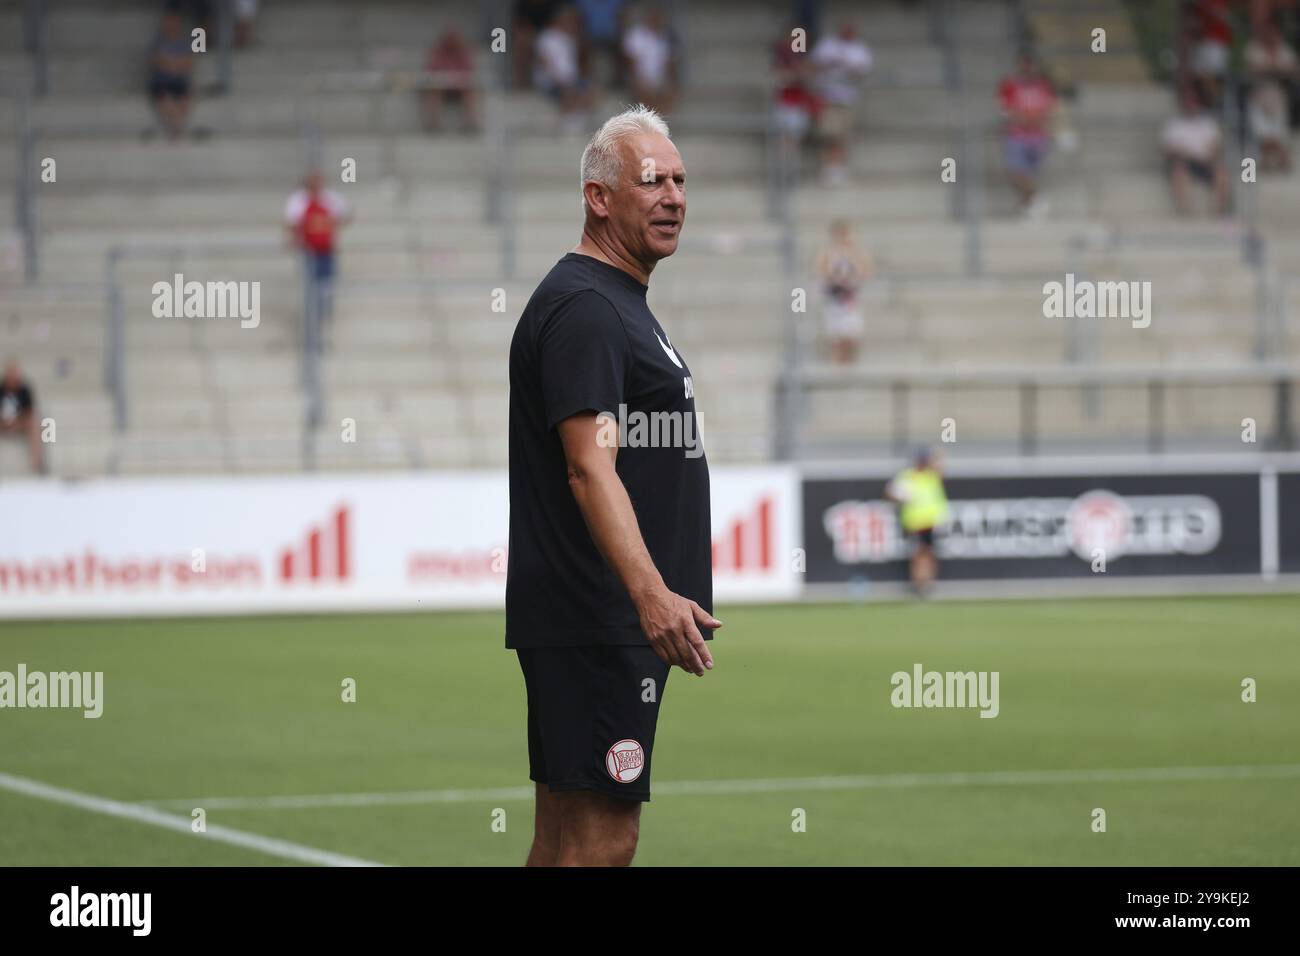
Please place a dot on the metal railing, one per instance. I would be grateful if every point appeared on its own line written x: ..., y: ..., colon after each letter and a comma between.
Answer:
x: 26, y: 218
x: 507, y: 139
x: 35, y: 43
x: 116, y: 342
x: 1029, y: 382
x: 1081, y: 341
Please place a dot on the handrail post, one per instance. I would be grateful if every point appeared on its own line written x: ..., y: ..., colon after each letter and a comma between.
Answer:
x: 938, y: 15
x: 783, y: 440
x: 509, y: 219
x: 785, y: 202
x: 898, y: 396
x: 312, y: 317
x: 1263, y: 309
x: 226, y: 42
x: 968, y: 198
x: 973, y: 170
x: 115, y: 353
x: 495, y: 118
x: 25, y: 187
x: 1155, y: 415
x: 774, y: 168
x: 1028, y: 418
x: 1283, y: 428
x: 1073, y: 265
x: 1280, y: 318
x: 36, y: 42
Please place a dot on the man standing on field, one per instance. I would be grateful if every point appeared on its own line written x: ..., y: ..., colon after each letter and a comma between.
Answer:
x: 923, y: 506
x: 609, y: 582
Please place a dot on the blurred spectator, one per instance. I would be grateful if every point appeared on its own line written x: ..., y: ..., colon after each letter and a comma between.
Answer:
x: 171, y: 61
x: 530, y: 18
x: 556, y: 70
x: 1270, y: 66
x: 245, y: 19
x: 451, y: 68
x: 312, y: 218
x: 843, y: 267
x: 923, y: 508
x: 1028, y: 107
x: 197, y: 12
x: 841, y: 60
x: 795, y: 106
x: 1211, y: 46
x: 18, y: 414
x: 650, y: 53
x: 1193, y: 146
x: 807, y: 14
x: 601, y: 28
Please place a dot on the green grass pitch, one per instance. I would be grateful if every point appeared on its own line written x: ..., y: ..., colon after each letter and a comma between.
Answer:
x: 251, y: 708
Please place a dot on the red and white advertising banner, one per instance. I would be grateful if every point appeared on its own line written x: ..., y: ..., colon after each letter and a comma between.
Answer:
x: 313, y: 543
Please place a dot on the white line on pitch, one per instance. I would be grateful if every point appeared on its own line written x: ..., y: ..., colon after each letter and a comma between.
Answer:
x: 153, y: 817
x: 994, y: 778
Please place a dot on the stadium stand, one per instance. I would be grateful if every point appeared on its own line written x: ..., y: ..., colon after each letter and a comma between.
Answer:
x: 416, y: 355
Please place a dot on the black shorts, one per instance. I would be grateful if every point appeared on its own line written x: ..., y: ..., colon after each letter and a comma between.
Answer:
x: 925, y: 536
x: 592, y: 713
x: 174, y: 85
x: 1204, y: 171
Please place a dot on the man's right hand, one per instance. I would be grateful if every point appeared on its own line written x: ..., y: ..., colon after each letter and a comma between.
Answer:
x: 672, y: 626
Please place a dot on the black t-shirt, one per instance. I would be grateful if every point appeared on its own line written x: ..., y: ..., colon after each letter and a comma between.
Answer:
x: 587, y: 341
x: 14, y: 401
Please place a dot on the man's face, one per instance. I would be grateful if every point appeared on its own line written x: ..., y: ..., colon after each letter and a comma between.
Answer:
x: 13, y: 376
x: 648, y: 209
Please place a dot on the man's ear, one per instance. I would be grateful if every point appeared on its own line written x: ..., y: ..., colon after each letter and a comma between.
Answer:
x: 594, y: 193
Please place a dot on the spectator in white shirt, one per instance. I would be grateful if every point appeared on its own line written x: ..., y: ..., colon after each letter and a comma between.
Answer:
x: 1193, y: 146
x: 1271, y: 66
x: 557, y: 72
x: 841, y: 60
x: 648, y: 47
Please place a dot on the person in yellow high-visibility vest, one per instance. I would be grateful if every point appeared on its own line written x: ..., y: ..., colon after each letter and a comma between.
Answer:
x: 923, y: 506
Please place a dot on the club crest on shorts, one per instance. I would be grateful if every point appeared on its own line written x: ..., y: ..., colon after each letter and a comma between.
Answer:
x: 625, y: 760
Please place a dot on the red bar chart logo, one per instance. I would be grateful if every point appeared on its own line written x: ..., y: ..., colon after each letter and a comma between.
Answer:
x: 747, y: 544
x: 324, y: 554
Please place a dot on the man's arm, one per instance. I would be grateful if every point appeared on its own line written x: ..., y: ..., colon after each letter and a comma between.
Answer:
x: 668, y: 620
x: 824, y: 264
x: 292, y: 213
x: 342, y: 210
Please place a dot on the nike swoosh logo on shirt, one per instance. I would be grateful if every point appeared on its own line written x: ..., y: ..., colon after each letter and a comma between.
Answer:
x: 668, y: 350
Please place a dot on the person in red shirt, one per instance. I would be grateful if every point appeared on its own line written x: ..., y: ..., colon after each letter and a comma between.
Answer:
x: 1028, y: 106
x: 796, y: 107
x: 451, y: 73
x: 312, y: 218
x: 1211, y: 28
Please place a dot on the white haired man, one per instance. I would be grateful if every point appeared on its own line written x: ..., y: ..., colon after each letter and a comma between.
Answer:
x: 601, y: 599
